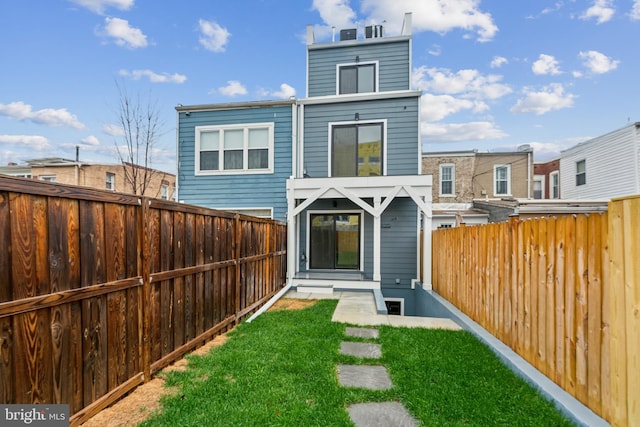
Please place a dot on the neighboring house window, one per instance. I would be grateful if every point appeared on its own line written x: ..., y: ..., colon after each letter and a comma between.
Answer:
x: 48, y: 178
x: 164, y: 192
x: 110, y: 181
x: 357, y: 149
x: 581, y: 172
x: 502, y: 180
x: 357, y: 78
x: 447, y: 179
x: 555, y: 185
x: 246, y: 148
x: 538, y: 187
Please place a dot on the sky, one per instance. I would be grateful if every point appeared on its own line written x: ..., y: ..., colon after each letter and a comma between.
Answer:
x: 494, y: 74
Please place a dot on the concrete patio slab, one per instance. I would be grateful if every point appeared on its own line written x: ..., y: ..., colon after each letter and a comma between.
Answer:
x: 362, y: 332
x: 381, y: 414
x: 361, y: 349
x: 364, y: 376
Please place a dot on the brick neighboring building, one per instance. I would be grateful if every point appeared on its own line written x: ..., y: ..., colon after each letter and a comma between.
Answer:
x: 94, y: 175
x: 546, y: 180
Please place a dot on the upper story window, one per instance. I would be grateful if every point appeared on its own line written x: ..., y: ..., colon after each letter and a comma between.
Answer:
x: 581, y: 172
x: 48, y: 178
x: 164, y: 191
x: 447, y: 179
x: 110, y: 181
x: 357, y: 78
x: 555, y: 185
x: 357, y: 149
x: 233, y: 149
x: 538, y: 187
x: 502, y: 180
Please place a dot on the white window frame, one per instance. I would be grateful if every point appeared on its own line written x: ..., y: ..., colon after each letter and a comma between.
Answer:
x: 541, y: 179
x: 554, y: 189
x: 164, y: 191
x: 357, y: 122
x: 247, y: 211
x: 360, y: 212
x: 110, y: 183
x: 584, y: 161
x: 47, y: 178
x: 453, y: 179
x: 495, y: 180
x: 400, y: 300
x: 245, y: 151
x: 376, y: 76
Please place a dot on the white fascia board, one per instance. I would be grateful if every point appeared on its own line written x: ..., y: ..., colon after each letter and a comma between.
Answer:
x: 373, y: 96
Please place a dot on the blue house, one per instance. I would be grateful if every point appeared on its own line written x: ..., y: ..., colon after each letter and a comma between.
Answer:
x: 342, y: 166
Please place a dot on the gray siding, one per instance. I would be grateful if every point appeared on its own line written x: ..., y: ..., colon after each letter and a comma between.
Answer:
x: 393, y: 62
x: 402, y: 132
x: 399, y: 240
x: 236, y: 191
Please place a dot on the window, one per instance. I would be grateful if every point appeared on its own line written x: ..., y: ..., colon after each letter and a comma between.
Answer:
x: 357, y: 149
x: 395, y: 306
x: 502, y: 180
x: 581, y: 172
x: 334, y: 241
x: 555, y: 185
x: 48, y: 178
x: 164, y: 192
x: 447, y: 179
x: 246, y: 148
x: 538, y: 187
x: 357, y: 78
x: 110, y: 181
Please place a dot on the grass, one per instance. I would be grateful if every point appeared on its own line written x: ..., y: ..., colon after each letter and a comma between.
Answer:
x: 281, y: 370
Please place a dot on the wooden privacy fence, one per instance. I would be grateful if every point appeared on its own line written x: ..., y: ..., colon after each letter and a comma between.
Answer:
x: 99, y: 290
x: 564, y: 293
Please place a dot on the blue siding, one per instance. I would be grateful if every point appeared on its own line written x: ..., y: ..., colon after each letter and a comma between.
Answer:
x: 402, y: 132
x: 393, y: 58
x: 236, y: 191
x: 399, y: 243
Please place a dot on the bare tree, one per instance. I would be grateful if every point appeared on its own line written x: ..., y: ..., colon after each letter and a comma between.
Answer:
x: 140, y: 122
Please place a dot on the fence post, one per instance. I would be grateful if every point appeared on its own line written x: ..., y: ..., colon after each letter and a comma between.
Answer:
x: 237, y: 247
x: 145, y: 241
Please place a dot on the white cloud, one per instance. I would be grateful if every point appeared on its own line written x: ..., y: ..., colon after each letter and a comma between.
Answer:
x: 436, y: 107
x: 124, y: 34
x: 601, y: 10
x: 432, y: 15
x: 285, y: 91
x: 113, y: 129
x: 335, y: 13
x: 635, y: 11
x: 233, y: 88
x: 498, y: 61
x: 467, y: 83
x: 34, y: 142
x: 91, y: 140
x: 456, y: 132
x: 435, y: 50
x: 540, y: 102
x: 213, y: 37
x: 99, y: 6
x: 48, y: 116
x: 153, y: 76
x: 546, y: 65
x: 597, y: 62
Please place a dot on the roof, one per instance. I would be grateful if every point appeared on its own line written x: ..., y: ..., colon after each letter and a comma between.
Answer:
x: 236, y: 105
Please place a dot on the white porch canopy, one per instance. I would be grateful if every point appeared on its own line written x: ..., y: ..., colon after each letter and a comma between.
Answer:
x: 381, y: 189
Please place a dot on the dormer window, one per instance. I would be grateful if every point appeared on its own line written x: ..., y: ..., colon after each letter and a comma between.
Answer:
x: 357, y: 78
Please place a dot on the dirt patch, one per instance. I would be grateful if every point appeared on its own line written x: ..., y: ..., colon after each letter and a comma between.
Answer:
x: 144, y: 401
x: 292, y: 304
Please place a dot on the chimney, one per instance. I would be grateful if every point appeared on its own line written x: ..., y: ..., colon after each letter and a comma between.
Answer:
x: 77, y: 154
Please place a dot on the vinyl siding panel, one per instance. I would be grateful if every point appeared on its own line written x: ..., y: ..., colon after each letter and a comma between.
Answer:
x: 612, y: 163
x: 402, y: 132
x: 399, y: 242
x: 392, y: 57
x: 236, y: 191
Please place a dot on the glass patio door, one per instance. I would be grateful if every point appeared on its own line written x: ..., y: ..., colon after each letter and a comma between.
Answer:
x: 335, y: 241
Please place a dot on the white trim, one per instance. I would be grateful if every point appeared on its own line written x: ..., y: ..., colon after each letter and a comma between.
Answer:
x: 352, y: 97
x: 244, y: 209
x: 400, y: 300
x: 376, y: 74
x: 453, y: 179
x: 245, y: 150
x: 356, y: 122
x: 542, y: 180
x: 495, y: 182
x: 336, y: 211
x: 554, y: 174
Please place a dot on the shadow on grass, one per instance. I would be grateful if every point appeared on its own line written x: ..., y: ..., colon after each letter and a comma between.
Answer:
x: 281, y: 370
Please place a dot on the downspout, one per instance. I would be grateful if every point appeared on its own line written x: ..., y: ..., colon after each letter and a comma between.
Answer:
x: 529, y: 174
x: 175, y: 196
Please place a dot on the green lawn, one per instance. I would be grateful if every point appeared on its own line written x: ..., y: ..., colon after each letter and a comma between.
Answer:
x: 281, y: 370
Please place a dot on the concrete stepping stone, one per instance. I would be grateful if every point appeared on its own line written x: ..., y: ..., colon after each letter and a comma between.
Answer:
x: 361, y: 349
x: 381, y: 414
x: 364, y: 376
x: 362, y: 333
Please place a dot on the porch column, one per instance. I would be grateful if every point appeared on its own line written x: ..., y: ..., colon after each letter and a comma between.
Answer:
x: 291, y: 232
x: 426, y: 252
x: 376, y: 238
